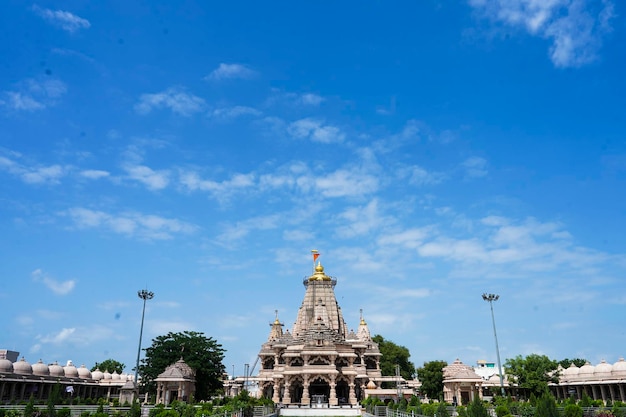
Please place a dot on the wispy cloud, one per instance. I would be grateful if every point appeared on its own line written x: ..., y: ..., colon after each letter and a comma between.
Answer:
x: 315, y: 131
x: 175, y: 99
x: 32, y: 95
x: 297, y: 99
x: 475, y: 167
x: 575, y: 27
x: 154, y: 180
x: 131, y: 224
x: 236, y: 111
x: 59, y: 337
x: 38, y: 174
x: 94, y: 174
x: 57, y: 287
x: 229, y: 71
x: 60, y: 18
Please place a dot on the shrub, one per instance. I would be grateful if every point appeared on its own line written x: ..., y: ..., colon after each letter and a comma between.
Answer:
x: 572, y: 410
x: 477, y: 408
x: 442, y: 410
x: 502, y: 410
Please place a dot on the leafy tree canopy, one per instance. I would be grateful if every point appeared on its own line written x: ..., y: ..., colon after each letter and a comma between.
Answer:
x: 532, y: 373
x: 110, y: 365
x: 565, y: 363
x: 203, y: 354
x: 431, y: 377
x: 394, y: 355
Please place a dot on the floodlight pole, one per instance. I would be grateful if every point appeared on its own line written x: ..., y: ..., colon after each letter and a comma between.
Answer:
x: 144, y: 295
x: 491, y: 298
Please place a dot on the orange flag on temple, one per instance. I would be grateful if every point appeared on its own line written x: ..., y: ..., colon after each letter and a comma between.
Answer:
x: 315, y: 255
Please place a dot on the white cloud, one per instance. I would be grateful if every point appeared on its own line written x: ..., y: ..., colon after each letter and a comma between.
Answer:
x: 129, y: 224
x: 154, y: 180
x: 175, y: 99
x: 343, y: 183
x: 220, y: 189
x: 65, y: 20
x: 311, y: 99
x: 475, y: 167
x: 240, y: 230
x: 94, y: 174
x: 57, y: 287
x: 417, y: 175
x: 230, y: 71
x: 34, y: 174
x: 32, y: 95
x: 59, y: 337
x: 410, y: 238
x: 361, y: 220
x: 236, y: 111
x: 575, y: 27
x: 315, y: 131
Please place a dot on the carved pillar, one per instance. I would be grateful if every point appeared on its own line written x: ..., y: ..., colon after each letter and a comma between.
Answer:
x: 276, y: 396
x: 306, y: 400
x: 351, y: 393
x: 333, y: 392
x: 287, y: 395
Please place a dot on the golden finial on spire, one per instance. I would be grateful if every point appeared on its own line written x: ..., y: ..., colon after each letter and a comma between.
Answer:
x: 362, y: 320
x: 276, y: 321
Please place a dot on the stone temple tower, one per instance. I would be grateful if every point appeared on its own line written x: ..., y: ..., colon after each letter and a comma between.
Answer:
x: 320, y: 361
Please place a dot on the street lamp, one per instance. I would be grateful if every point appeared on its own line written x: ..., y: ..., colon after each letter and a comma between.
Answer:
x: 144, y: 295
x: 491, y: 298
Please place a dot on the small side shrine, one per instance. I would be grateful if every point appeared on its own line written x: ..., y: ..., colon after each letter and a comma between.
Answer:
x: 177, y: 382
x: 460, y: 383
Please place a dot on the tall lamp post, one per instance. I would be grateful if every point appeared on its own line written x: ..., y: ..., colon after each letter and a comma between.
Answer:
x: 491, y: 298
x: 145, y: 295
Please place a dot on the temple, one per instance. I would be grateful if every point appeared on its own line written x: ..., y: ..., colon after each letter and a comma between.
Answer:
x: 319, y: 361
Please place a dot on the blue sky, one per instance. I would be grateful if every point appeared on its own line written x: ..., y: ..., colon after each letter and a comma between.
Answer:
x: 431, y: 151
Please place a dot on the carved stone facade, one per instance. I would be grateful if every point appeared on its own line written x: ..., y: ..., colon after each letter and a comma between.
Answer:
x: 319, y: 361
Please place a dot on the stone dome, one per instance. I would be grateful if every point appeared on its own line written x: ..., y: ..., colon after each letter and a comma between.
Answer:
x: 83, y: 372
x: 586, y: 371
x: 603, y: 370
x: 495, y: 379
x: 70, y: 370
x: 6, y: 366
x: 97, y: 375
x: 371, y: 385
x: 115, y: 376
x: 22, y: 367
x: 56, y: 369
x: 571, y: 372
x: 40, y: 369
x: 619, y: 368
x: 106, y: 375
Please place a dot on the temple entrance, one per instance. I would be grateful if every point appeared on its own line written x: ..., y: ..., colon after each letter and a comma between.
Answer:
x: 343, y: 392
x: 320, y: 390
x: 295, y: 391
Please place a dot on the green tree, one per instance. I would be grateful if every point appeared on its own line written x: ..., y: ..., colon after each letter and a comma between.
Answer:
x: 572, y: 410
x: 30, y: 409
x: 565, y: 363
x: 442, y: 410
x: 110, y: 365
x: 203, y: 354
x: 532, y: 373
x: 393, y: 355
x: 546, y: 406
x: 476, y: 408
x: 53, y: 399
x: 431, y: 377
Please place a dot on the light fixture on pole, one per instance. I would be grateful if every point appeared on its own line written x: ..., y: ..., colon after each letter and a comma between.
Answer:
x: 144, y: 295
x: 491, y: 298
